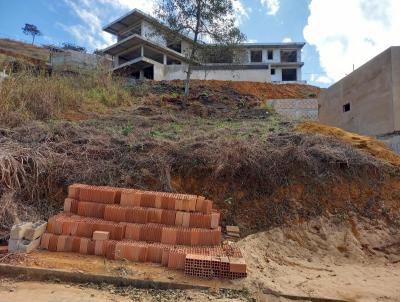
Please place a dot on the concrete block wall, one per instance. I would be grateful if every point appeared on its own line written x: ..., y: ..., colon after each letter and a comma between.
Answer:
x: 177, y: 72
x: 296, y: 109
x: 373, y: 92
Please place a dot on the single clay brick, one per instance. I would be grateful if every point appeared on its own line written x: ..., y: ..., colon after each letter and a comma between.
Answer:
x: 100, y: 235
x: 76, y: 243
x: 67, y: 204
x: 127, y: 198
x: 53, y: 243
x: 237, y: 265
x: 91, y: 247
x: 199, y: 203
x: 148, y: 200
x: 186, y: 220
x: 99, y: 247
x: 215, y: 216
x: 44, y: 241
x: 110, y: 249
x: 73, y: 191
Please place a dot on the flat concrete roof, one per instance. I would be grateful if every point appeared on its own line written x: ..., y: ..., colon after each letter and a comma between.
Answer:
x: 126, y: 21
x: 287, y: 64
x: 275, y: 45
x: 136, y: 39
x: 135, y: 15
x: 230, y: 66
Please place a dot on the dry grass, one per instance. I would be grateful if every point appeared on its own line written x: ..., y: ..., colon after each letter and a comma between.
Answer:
x: 255, y: 166
x: 25, y: 49
x: 27, y: 96
x: 369, y: 144
x: 235, y: 162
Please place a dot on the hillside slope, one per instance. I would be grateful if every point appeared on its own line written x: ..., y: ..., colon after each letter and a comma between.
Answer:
x: 21, y: 49
x: 261, y: 170
x: 320, y: 206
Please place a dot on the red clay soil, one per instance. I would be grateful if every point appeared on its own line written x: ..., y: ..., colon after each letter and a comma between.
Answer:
x: 261, y: 91
x: 272, y: 91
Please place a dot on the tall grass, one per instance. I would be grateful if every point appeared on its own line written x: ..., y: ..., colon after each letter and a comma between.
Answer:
x: 26, y: 95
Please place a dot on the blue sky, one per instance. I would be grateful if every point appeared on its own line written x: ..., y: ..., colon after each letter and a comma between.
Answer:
x: 338, y: 33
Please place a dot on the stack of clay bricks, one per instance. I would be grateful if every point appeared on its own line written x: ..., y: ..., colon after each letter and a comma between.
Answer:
x: 179, y: 231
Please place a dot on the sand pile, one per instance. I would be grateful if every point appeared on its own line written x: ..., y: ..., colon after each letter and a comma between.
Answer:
x: 353, y: 260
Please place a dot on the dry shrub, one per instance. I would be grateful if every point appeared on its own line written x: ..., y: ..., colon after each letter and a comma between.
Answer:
x: 22, y: 168
x: 261, y: 167
x: 39, y: 162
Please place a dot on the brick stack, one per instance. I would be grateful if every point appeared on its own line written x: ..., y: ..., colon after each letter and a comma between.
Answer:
x: 179, y: 231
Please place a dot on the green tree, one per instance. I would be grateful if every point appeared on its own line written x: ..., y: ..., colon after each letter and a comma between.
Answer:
x: 213, y: 20
x: 31, y: 30
x: 72, y: 46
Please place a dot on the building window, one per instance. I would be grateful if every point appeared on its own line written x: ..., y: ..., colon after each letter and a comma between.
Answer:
x: 288, y: 56
x: 272, y: 71
x: 270, y: 55
x: 346, y: 107
x: 289, y: 74
x: 256, y: 56
x: 174, y: 45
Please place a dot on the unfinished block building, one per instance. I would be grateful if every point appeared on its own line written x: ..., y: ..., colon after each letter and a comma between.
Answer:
x: 367, y: 101
x: 142, y: 52
x: 176, y: 230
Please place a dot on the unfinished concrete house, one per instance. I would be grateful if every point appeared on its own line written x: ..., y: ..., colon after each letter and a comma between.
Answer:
x: 141, y: 52
x: 367, y: 101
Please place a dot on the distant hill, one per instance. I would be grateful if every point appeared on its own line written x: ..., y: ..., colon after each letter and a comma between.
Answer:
x: 24, y: 49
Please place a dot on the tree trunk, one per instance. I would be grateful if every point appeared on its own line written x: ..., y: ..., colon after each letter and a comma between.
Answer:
x: 187, y: 81
x: 33, y: 39
x: 193, y: 52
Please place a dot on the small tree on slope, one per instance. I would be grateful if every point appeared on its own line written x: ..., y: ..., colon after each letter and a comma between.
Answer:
x: 31, y: 30
x: 213, y: 20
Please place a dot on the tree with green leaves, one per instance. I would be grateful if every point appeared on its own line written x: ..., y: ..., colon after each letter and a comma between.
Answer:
x: 211, y: 20
x: 31, y: 30
x: 72, y: 46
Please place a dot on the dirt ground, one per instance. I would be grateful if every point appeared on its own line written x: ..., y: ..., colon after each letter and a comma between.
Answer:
x: 22, y: 291
x: 353, y: 260
x: 350, y: 260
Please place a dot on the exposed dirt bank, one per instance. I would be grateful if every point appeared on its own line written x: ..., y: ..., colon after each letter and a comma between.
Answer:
x: 354, y: 260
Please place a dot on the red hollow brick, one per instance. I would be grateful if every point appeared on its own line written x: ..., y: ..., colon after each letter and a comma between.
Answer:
x: 110, y: 249
x: 44, y: 241
x: 84, y: 244
x: 127, y: 198
x: 53, y: 243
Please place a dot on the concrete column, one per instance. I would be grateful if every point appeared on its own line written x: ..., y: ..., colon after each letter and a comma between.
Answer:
x: 141, y: 51
x: 165, y: 59
x: 141, y: 75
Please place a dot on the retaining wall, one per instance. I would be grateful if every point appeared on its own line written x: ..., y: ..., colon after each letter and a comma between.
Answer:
x: 296, y: 109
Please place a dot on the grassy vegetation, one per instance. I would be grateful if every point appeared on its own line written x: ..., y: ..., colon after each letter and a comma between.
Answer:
x: 226, y: 145
x: 27, y: 96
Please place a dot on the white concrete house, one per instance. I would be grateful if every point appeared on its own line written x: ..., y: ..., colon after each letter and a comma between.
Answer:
x: 141, y: 52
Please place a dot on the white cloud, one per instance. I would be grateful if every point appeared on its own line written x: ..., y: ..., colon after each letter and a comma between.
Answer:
x: 321, y: 79
x: 347, y: 32
x: 241, y: 11
x: 94, y: 15
x: 251, y: 41
x: 144, y: 5
x: 287, y: 40
x: 271, y: 5
x: 88, y: 32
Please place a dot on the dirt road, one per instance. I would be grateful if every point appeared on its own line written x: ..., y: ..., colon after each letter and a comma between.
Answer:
x: 32, y: 291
